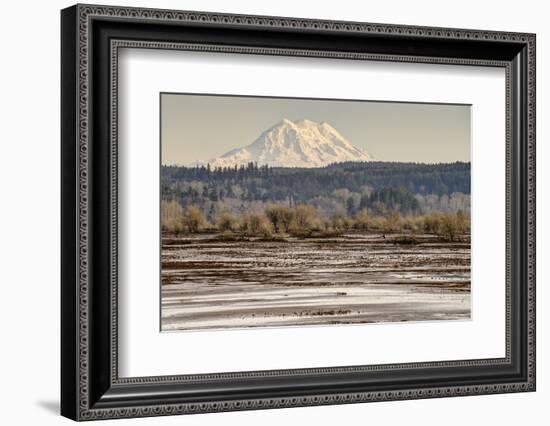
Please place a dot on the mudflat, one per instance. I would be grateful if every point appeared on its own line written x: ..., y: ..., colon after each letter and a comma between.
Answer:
x: 209, y: 283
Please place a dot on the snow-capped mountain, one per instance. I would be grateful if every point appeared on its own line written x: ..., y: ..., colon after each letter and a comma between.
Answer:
x: 302, y: 143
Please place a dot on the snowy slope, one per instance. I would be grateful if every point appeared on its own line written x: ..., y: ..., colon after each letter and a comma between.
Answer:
x: 302, y: 143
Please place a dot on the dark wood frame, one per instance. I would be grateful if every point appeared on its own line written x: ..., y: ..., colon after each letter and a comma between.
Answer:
x: 91, y: 37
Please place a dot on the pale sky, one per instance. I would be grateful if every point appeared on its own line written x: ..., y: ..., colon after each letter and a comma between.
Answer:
x: 203, y: 127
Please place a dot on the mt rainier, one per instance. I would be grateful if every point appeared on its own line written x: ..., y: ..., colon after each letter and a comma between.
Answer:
x: 301, y: 143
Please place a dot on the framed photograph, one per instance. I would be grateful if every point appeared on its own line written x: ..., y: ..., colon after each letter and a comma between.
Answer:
x: 263, y: 212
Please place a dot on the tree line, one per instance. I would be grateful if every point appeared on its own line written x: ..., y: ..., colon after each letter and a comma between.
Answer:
x: 303, y: 220
x: 299, y: 185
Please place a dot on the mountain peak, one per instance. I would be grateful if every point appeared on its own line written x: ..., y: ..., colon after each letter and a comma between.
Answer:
x: 300, y: 143
x: 305, y: 122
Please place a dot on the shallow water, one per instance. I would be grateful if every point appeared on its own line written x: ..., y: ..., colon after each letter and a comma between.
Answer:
x: 356, y: 278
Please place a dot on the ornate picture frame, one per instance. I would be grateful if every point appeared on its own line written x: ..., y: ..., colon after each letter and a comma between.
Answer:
x: 91, y: 37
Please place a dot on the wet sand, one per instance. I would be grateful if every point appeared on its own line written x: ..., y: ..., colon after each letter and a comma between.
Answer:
x: 355, y: 278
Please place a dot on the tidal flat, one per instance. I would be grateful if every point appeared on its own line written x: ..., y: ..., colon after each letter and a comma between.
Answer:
x: 210, y: 283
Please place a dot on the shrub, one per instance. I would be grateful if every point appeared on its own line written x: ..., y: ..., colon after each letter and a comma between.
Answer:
x: 340, y: 223
x: 412, y: 224
x: 326, y: 225
x: 257, y: 224
x: 392, y: 222
x: 363, y: 221
x: 433, y: 223
x: 463, y: 222
x: 194, y: 219
x: 280, y: 216
x: 447, y: 226
x: 171, y: 216
x: 226, y: 222
x: 305, y: 218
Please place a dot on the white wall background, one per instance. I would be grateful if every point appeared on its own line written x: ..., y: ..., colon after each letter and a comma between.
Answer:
x: 29, y: 212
